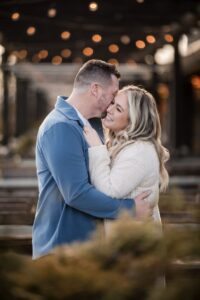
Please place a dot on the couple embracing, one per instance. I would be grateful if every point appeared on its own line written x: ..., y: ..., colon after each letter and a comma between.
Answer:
x: 82, y: 180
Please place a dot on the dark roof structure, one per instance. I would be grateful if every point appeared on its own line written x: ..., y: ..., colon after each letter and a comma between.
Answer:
x: 77, y: 30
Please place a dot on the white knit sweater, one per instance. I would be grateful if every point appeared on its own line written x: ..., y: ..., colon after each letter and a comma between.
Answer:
x: 134, y: 169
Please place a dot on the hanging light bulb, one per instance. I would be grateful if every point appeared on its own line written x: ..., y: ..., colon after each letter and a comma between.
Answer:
x: 66, y: 53
x: 93, y: 6
x: 140, y: 44
x: 31, y: 30
x: 168, y: 38
x: 113, y: 61
x: 113, y: 48
x: 43, y: 54
x: 22, y: 54
x: 65, y: 35
x: 52, y: 12
x: 15, y: 16
x: 125, y: 39
x: 56, y: 60
x: 96, y: 38
x: 88, y: 51
x: 150, y: 39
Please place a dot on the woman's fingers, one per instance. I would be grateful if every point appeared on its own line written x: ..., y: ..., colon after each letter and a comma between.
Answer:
x: 90, y: 130
x: 86, y: 129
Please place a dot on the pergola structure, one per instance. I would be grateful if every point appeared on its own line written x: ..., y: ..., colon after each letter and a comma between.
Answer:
x: 73, y: 31
x: 130, y: 32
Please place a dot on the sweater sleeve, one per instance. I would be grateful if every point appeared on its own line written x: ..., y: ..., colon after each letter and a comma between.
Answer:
x: 122, y: 177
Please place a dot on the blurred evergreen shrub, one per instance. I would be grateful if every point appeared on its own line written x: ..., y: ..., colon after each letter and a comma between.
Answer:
x: 130, y: 264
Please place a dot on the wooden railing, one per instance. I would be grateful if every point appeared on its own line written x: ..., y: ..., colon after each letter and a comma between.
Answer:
x: 18, y: 198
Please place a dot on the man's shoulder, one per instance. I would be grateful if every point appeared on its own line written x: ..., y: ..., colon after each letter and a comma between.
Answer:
x: 56, y: 120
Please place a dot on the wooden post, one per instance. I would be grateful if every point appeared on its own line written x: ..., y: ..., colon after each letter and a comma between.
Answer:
x: 5, y: 101
x: 182, y: 107
x: 21, y: 106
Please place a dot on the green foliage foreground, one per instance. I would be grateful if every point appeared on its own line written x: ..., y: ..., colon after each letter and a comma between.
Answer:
x: 132, y: 263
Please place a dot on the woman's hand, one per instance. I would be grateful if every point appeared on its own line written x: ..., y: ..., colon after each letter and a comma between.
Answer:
x: 91, y: 136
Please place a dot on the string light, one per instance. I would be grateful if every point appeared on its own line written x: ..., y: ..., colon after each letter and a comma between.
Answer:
x: 66, y: 53
x: 163, y: 90
x: 113, y: 61
x: 96, y: 38
x: 87, y: 51
x: 56, y: 60
x: 22, y: 54
x: 93, y: 6
x: 113, y: 48
x: 31, y: 30
x: 52, y: 12
x: 65, y: 35
x: 195, y: 80
x: 168, y: 38
x: 150, y: 39
x: 15, y: 16
x: 43, y: 54
x: 35, y: 58
x: 131, y: 61
x: 125, y: 39
x: 140, y: 44
x: 78, y: 60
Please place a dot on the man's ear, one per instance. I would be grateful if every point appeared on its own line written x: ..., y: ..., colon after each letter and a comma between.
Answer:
x: 94, y: 88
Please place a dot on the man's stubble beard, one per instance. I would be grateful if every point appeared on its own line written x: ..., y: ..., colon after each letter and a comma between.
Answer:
x: 103, y: 115
x: 103, y: 100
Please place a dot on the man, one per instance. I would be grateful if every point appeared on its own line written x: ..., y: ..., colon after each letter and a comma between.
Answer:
x: 69, y: 206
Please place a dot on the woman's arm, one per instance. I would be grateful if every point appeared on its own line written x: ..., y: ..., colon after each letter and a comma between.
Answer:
x: 126, y: 173
x: 120, y: 179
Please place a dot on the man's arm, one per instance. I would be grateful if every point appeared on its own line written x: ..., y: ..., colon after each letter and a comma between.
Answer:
x: 64, y: 153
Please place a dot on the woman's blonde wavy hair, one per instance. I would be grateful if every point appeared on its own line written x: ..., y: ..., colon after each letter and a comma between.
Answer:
x: 144, y: 125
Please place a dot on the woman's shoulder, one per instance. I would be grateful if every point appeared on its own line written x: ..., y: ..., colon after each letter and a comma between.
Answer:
x: 141, y: 149
x: 139, y: 146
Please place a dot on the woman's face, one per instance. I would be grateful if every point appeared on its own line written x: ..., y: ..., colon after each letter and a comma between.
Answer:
x: 117, y: 113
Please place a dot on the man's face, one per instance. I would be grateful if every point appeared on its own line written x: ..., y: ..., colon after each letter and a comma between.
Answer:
x: 107, y: 95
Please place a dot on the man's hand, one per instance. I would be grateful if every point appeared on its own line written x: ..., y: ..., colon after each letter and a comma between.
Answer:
x: 143, y: 209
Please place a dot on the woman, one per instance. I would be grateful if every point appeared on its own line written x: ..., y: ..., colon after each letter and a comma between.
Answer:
x: 133, y: 159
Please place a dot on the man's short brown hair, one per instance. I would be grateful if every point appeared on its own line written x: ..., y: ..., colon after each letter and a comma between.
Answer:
x: 95, y: 70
